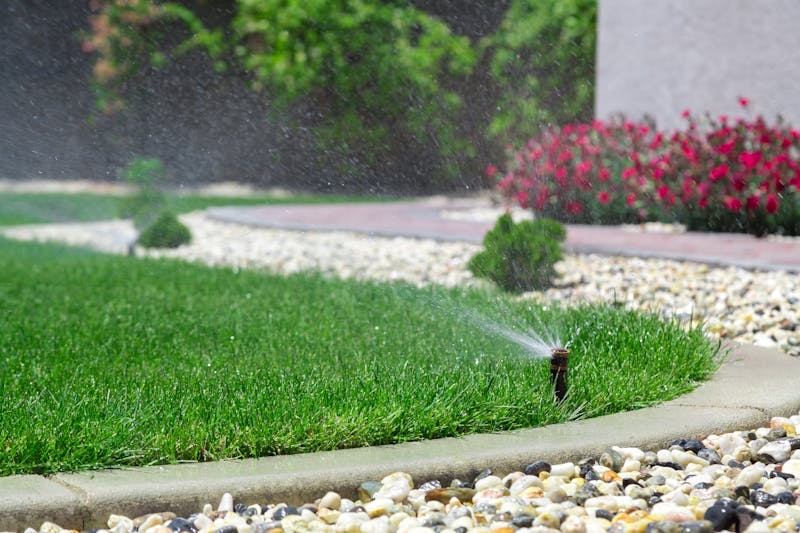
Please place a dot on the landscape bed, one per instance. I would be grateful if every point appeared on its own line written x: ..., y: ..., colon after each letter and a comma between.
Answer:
x: 116, y: 361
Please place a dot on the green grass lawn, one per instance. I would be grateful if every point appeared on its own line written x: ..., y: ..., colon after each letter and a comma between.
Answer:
x: 111, y: 361
x: 38, y: 208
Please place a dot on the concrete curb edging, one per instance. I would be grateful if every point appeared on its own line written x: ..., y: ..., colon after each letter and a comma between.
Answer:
x: 752, y: 385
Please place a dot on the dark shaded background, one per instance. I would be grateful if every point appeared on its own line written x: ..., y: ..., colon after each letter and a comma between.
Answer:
x: 206, y: 127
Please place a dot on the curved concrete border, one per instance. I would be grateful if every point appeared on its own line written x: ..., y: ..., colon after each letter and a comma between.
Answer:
x: 752, y: 385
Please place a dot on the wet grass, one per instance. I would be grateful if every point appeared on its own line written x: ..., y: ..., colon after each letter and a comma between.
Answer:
x: 110, y: 361
x: 39, y: 208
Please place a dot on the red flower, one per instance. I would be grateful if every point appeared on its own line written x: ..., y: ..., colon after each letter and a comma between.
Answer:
x: 749, y: 159
x: 564, y: 156
x: 506, y: 181
x: 733, y: 204
x: 744, y: 102
x: 491, y: 171
x: 689, y: 153
x: 604, y: 174
x: 688, y: 187
x: 718, y: 172
x: 573, y: 207
x: 752, y: 202
x: 726, y: 147
x: 541, y: 199
x: 685, y: 113
x: 657, y: 140
x: 561, y: 173
x: 522, y: 197
x: 629, y: 173
x: 631, y: 199
x: 772, y: 204
x: 603, y: 197
x: 663, y: 192
x: 584, y: 167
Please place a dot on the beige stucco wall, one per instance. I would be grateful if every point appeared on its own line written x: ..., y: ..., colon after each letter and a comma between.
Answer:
x: 659, y: 57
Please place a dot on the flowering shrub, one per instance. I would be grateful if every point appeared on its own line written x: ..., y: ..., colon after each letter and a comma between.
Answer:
x: 715, y: 175
x: 580, y: 173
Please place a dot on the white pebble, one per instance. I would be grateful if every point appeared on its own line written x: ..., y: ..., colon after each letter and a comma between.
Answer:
x: 749, y: 475
x: 50, y: 527
x: 376, y: 525
x: 631, y: 465
x: 349, y: 521
x: 729, y: 442
x: 566, y: 470
x: 331, y: 500
x: 523, y: 483
x: 573, y: 524
x: 778, y: 450
x: 630, y: 453
x: 378, y: 507
x: 488, y: 482
x: 225, y: 503
x: 395, y: 488
x: 792, y: 466
x: 120, y: 524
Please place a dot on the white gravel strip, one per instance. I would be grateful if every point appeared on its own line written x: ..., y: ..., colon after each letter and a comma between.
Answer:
x: 761, y: 308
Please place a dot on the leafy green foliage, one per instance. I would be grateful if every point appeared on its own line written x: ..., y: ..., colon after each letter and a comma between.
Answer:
x: 166, y: 231
x: 542, y: 58
x: 376, y: 69
x: 148, y: 202
x: 520, y: 257
x: 387, y: 87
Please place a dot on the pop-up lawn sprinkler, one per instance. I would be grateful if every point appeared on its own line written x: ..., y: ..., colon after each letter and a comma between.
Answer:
x: 559, y: 364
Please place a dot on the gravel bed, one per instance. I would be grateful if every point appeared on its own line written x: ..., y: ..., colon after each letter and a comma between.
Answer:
x: 744, y: 481
x: 761, y: 308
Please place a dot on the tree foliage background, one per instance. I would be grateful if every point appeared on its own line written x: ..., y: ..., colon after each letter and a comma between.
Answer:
x: 426, y: 92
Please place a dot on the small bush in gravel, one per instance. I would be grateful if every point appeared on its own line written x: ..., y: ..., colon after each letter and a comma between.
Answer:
x: 166, y: 232
x: 148, y: 202
x: 520, y: 257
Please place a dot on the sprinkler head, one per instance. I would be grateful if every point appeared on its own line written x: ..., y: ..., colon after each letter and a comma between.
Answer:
x: 559, y: 364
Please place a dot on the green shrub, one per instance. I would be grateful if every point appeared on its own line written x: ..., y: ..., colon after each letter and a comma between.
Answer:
x: 148, y: 202
x: 542, y: 59
x: 520, y: 257
x: 165, y: 232
x: 381, y: 77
